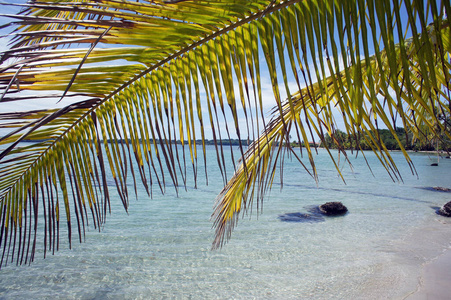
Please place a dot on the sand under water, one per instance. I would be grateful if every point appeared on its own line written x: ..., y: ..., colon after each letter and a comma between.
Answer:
x: 390, y: 245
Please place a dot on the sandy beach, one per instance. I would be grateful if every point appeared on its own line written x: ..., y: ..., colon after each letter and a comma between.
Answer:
x: 419, y: 268
x: 431, y: 248
x: 435, y: 279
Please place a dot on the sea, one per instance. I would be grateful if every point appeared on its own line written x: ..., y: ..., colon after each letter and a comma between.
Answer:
x: 161, y: 247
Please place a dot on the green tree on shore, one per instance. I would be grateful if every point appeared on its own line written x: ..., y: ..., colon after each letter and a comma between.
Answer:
x: 405, y: 141
x: 168, y: 70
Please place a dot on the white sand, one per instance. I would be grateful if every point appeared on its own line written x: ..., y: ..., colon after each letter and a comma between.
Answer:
x: 435, y: 279
x: 432, y: 248
x: 419, y: 268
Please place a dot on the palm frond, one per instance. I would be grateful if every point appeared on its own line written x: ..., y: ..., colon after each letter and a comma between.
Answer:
x: 176, y: 59
x: 258, y: 169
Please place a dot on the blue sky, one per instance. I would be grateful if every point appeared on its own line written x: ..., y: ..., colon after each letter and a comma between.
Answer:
x: 49, y: 103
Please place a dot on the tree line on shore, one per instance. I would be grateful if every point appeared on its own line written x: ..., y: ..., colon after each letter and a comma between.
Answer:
x: 344, y: 140
x: 348, y: 141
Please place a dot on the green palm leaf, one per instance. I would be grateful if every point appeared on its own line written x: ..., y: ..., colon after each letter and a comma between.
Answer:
x: 164, y: 63
x: 238, y: 194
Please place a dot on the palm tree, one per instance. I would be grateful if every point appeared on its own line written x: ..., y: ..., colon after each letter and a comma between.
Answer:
x: 144, y: 74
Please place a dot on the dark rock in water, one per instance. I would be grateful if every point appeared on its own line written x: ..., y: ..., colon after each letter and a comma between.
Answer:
x: 436, y: 189
x: 333, y: 208
x: 434, y: 164
x: 315, y: 213
x: 301, y: 218
x: 447, y: 157
x: 445, y: 210
x: 441, y: 189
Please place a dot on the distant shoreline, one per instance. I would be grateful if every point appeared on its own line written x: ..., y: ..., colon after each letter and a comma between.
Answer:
x: 245, y: 143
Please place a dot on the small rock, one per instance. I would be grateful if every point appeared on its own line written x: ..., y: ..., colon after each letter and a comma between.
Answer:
x: 441, y: 189
x: 333, y: 208
x: 445, y: 210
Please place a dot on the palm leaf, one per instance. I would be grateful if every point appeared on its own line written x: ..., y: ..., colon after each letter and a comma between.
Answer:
x: 237, y: 195
x: 140, y: 98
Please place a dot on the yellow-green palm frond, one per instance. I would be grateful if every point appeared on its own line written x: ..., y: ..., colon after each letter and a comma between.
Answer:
x: 152, y: 73
x: 257, y: 172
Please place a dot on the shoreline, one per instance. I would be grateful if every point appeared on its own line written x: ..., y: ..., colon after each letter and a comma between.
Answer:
x: 434, y: 280
x: 429, y: 247
x: 416, y: 267
x: 424, y: 259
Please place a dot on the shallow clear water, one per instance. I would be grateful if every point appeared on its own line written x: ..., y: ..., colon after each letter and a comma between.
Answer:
x: 161, y: 249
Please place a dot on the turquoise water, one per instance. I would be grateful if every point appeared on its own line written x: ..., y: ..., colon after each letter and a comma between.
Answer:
x: 161, y: 249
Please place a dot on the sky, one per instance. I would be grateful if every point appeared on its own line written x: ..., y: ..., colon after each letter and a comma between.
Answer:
x: 268, y: 99
x: 4, y: 41
x: 267, y: 92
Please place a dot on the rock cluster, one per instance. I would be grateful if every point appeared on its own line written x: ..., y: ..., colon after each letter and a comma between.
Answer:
x: 445, y: 210
x: 333, y: 208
